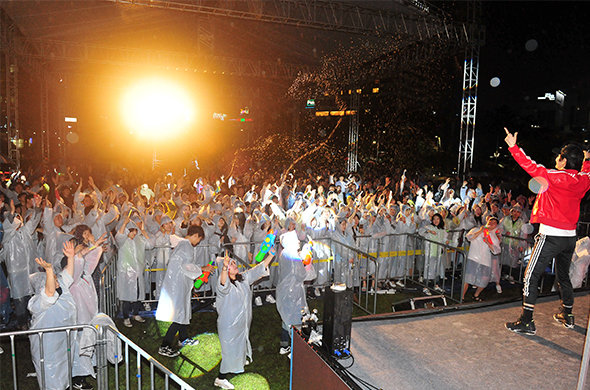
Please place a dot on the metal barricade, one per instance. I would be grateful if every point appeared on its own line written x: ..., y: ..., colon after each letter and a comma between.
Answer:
x: 443, y: 265
x: 109, y: 375
x: 363, y: 269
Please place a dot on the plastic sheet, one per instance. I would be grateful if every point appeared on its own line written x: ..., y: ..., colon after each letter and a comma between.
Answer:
x: 580, y: 262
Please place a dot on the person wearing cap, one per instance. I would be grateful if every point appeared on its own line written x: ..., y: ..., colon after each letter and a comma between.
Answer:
x: 485, y: 241
x: 557, y: 210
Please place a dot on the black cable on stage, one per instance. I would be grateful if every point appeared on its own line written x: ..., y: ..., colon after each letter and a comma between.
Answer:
x: 353, y: 376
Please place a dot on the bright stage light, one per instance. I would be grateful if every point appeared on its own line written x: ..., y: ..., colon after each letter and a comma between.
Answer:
x: 157, y: 107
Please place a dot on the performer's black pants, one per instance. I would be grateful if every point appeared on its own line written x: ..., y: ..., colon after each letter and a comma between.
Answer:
x: 546, y: 248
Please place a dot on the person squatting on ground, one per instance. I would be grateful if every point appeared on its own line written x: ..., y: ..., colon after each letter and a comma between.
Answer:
x: 557, y: 210
x: 175, y: 297
x: 234, y: 309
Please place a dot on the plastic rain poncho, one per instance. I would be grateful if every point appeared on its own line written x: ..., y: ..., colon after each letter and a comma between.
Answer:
x: 5, y: 308
x: 234, y: 307
x: 580, y: 262
x: 49, y: 312
x: 433, y: 264
x: 20, y: 253
x: 175, y: 297
x: 478, y: 270
x: 292, y: 275
x: 114, y: 345
x: 131, y: 266
x: 83, y: 289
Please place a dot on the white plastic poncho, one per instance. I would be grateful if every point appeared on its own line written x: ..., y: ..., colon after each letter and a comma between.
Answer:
x: 175, y: 297
x: 292, y: 275
x: 479, y: 251
x: 580, y: 262
x: 19, y: 255
x: 234, y: 307
x: 49, y: 312
x: 131, y: 266
x: 83, y: 289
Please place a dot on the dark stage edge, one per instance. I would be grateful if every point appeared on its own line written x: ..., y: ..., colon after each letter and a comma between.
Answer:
x: 472, y: 350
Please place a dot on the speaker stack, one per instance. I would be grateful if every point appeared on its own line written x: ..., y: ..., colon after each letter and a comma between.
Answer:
x: 337, y: 321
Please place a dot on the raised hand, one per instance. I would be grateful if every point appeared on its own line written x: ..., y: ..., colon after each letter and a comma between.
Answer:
x: 68, y: 249
x: 47, y: 266
x: 510, y: 139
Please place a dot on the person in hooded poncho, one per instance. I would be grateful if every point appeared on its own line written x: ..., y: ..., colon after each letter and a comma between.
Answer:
x: 87, y: 255
x: 52, y: 306
x: 132, y: 241
x: 19, y: 255
x: 478, y: 268
x: 234, y: 307
x: 174, y: 304
x: 291, y: 296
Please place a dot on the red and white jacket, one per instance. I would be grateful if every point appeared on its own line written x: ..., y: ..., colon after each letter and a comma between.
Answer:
x: 559, y: 205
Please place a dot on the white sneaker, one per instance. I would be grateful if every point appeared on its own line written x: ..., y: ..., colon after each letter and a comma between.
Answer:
x: 138, y: 318
x: 400, y: 284
x: 426, y: 291
x: 439, y: 289
x: 317, y: 292
x: 421, y: 279
x: 270, y: 299
x: 391, y: 284
x: 285, y: 350
x: 223, y: 383
x: 1, y: 351
x: 499, y: 289
x: 127, y: 323
x: 258, y: 301
x: 147, y: 306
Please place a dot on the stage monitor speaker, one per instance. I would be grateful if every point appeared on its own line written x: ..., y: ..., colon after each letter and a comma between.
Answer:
x: 337, y: 321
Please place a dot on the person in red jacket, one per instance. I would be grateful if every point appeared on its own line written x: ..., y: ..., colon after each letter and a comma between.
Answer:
x: 557, y: 210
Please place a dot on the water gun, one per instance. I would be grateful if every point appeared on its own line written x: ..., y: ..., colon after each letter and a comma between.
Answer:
x: 204, y: 278
x: 266, y: 245
x: 486, y: 237
x: 307, y: 253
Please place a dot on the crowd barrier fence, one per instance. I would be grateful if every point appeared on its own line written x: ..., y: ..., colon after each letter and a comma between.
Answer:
x: 124, y: 365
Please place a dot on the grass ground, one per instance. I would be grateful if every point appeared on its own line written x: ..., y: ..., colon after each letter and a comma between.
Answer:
x: 198, y: 365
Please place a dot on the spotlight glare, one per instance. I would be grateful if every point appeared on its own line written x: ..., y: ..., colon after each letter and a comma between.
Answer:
x: 156, y: 106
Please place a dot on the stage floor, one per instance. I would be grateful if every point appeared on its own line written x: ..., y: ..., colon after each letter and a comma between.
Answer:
x: 472, y: 349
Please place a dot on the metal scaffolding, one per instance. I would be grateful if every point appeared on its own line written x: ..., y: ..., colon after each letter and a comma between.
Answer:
x: 470, y: 82
x: 353, y: 132
x: 410, y: 18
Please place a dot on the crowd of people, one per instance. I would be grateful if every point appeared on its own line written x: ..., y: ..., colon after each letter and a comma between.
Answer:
x: 69, y: 228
